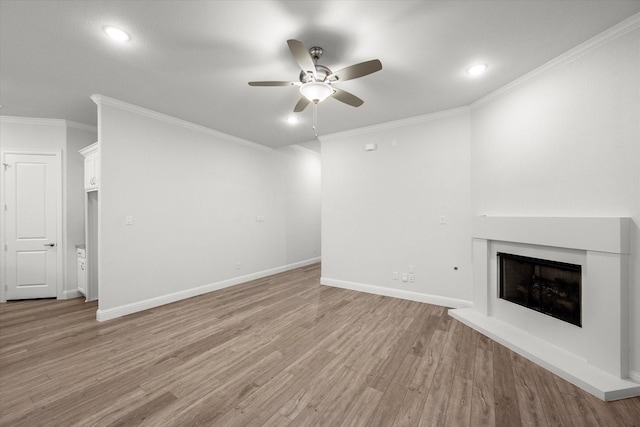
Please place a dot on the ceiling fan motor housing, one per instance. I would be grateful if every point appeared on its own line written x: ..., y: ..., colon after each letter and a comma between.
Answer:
x: 321, y: 74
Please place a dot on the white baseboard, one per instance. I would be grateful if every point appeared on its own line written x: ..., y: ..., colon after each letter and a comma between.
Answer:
x: 397, y: 293
x: 71, y: 294
x: 123, y: 310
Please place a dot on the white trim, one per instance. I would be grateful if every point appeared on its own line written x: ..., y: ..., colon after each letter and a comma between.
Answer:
x: 302, y: 149
x: 596, y: 42
x: 47, y: 122
x: 63, y: 219
x: 635, y: 376
x: 563, y: 363
x: 104, y: 100
x: 91, y: 147
x: 71, y: 294
x: 396, y: 124
x: 60, y: 259
x: 123, y: 310
x: 32, y: 121
x: 397, y: 293
x: 81, y: 126
x: 61, y: 212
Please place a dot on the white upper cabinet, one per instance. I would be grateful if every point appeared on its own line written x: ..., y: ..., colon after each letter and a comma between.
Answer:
x: 91, y: 167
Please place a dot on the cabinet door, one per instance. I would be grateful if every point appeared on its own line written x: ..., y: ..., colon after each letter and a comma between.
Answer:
x: 90, y: 172
x: 89, y: 163
x: 82, y: 276
x: 96, y: 171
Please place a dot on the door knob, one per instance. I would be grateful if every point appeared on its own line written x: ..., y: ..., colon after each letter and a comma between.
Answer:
x: 50, y: 244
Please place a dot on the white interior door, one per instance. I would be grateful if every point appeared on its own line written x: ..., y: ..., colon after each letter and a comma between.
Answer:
x: 32, y: 221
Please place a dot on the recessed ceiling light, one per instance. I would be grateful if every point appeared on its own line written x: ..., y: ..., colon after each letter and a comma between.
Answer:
x: 116, y: 33
x: 292, y: 120
x: 476, y: 69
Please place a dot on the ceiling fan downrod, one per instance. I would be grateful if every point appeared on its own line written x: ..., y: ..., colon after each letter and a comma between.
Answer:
x: 316, y: 53
x: 315, y: 119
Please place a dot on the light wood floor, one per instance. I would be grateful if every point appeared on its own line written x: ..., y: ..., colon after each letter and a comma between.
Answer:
x: 280, y: 351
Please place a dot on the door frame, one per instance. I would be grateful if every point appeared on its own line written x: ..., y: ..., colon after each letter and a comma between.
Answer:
x: 60, y: 244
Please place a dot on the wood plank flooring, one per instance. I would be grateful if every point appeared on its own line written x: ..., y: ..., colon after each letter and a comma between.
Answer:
x: 279, y: 351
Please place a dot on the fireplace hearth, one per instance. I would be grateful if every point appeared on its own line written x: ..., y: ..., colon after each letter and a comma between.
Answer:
x: 549, y: 287
x: 594, y: 356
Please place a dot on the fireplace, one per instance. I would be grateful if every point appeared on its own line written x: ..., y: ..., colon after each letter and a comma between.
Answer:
x: 594, y: 356
x: 549, y: 287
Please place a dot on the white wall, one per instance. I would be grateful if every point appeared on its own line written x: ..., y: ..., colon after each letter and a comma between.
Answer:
x: 381, y: 209
x: 300, y: 181
x: 195, y: 196
x: 68, y: 137
x: 567, y: 143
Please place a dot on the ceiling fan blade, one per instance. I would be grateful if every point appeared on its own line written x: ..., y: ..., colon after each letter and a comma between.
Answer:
x: 357, y: 70
x: 347, y: 98
x: 301, y: 105
x: 273, y: 83
x: 302, y: 57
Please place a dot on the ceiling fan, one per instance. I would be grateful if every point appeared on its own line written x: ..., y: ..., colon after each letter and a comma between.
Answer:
x: 316, y: 81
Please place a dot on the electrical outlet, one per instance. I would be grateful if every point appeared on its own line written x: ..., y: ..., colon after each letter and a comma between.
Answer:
x: 412, y: 277
x: 405, y: 277
x: 238, y: 265
x: 395, y: 275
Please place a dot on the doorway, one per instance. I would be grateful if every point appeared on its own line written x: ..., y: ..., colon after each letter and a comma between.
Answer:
x: 32, y: 224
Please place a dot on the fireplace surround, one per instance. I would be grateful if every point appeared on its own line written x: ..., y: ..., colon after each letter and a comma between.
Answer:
x: 593, y: 356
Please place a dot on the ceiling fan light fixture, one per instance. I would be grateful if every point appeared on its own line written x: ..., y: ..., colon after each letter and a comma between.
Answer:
x: 316, y: 91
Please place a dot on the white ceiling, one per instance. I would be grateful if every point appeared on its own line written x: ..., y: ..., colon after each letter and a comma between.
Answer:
x: 193, y: 59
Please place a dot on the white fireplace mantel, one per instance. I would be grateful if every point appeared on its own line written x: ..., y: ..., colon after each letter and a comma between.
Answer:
x: 595, y: 356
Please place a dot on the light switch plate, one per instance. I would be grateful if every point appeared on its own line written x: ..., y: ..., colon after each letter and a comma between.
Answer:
x: 128, y: 220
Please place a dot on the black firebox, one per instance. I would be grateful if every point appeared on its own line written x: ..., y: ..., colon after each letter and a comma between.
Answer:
x: 550, y: 287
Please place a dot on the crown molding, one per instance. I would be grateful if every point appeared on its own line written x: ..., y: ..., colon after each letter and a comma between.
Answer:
x: 302, y: 149
x: 105, y: 100
x: 36, y: 121
x: 630, y: 24
x: 396, y: 124
x: 81, y: 126
x: 33, y: 121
